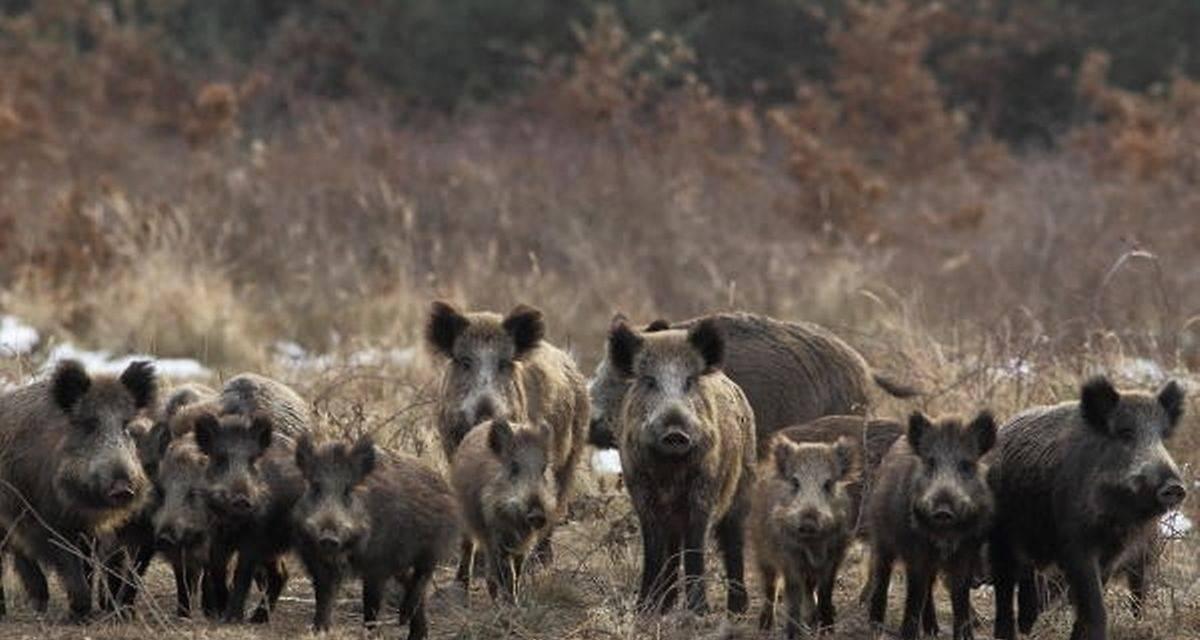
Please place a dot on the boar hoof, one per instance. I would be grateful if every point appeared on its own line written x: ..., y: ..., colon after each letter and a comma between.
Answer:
x: 260, y: 616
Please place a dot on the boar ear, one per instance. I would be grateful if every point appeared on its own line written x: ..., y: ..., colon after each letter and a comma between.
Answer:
x: 444, y: 326
x: 658, y: 325
x: 262, y: 429
x: 918, y: 426
x: 1171, y: 398
x: 69, y: 383
x: 500, y: 437
x: 141, y: 382
x: 983, y: 432
x: 782, y: 453
x: 845, y: 451
x: 706, y: 338
x: 526, y: 326
x: 305, y: 455
x: 623, y: 345
x: 1097, y: 400
x: 363, y: 456
x: 204, y: 429
x: 617, y: 319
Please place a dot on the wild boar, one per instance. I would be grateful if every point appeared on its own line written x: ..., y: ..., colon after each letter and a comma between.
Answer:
x: 182, y: 523
x: 931, y: 508
x: 67, y: 456
x: 802, y: 518
x: 688, y: 456
x: 381, y: 517
x: 506, y: 484
x: 791, y: 372
x: 1076, y: 485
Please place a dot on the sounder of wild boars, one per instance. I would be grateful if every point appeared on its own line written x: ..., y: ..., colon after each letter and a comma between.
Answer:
x: 688, y: 457
x: 377, y: 516
x: 502, y: 367
x: 932, y: 509
x: 66, y: 455
x: 253, y: 483
x: 504, y: 476
x: 791, y: 373
x: 1076, y: 484
x: 801, y: 521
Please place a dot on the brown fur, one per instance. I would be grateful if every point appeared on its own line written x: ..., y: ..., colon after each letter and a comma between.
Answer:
x: 679, y: 489
x: 504, y: 478
x: 182, y: 523
x: 379, y: 516
x: 791, y: 373
x: 53, y: 434
x: 801, y: 522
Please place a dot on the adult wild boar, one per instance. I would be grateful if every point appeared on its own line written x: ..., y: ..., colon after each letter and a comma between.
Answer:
x: 802, y: 519
x: 791, y: 372
x: 688, y: 457
x: 245, y: 394
x: 1076, y: 485
x: 70, y: 467
x: 253, y: 483
x: 932, y: 509
x: 502, y: 367
x: 380, y: 517
x: 505, y: 478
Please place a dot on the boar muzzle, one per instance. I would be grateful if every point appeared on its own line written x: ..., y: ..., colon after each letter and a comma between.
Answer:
x: 121, y: 492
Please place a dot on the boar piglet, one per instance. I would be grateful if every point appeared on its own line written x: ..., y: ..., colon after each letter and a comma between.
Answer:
x: 182, y: 522
x: 801, y: 521
x: 253, y: 483
x: 67, y: 454
x: 688, y: 455
x: 932, y: 509
x: 1080, y: 485
x: 507, y: 492
x: 377, y: 516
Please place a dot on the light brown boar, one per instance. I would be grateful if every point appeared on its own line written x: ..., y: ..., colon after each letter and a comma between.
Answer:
x: 245, y: 394
x: 504, y: 477
x: 502, y: 367
x: 791, y: 373
x: 70, y: 467
x: 688, y: 457
x: 801, y: 522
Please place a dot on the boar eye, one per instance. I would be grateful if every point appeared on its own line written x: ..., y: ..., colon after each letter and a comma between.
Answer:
x: 464, y: 363
x: 966, y: 467
x: 1126, y: 433
x: 689, y: 383
x: 828, y: 486
x: 504, y: 365
x: 932, y: 463
x: 514, y: 469
x: 649, y: 382
x: 795, y: 483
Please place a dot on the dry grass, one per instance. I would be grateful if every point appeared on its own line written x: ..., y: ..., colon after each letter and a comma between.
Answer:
x: 186, y: 217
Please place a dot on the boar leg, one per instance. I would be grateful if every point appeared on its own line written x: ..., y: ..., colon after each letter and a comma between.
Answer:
x: 503, y: 582
x: 731, y: 538
x: 800, y: 606
x: 1004, y: 571
x: 372, y: 599
x: 216, y: 581
x: 326, y: 579
x: 274, y: 577
x: 243, y: 576
x: 881, y: 578
x: 72, y: 571
x: 929, y: 616
x: 825, y: 606
x: 33, y: 580
x: 1082, y: 571
x: 770, y: 583
x: 1135, y: 573
x: 959, y: 581
x: 919, y: 579
x: 654, y: 562
x: 412, y: 608
x: 693, y: 561
x: 3, y: 598
x: 1029, y: 600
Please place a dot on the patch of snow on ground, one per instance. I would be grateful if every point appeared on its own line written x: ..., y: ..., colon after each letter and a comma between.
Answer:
x: 1013, y: 369
x: 1175, y: 525
x: 1141, y: 370
x: 16, y: 337
x: 104, y: 362
x: 294, y: 356
x: 606, y: 461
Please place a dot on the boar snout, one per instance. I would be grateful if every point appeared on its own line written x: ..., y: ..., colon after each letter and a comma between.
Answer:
x: 674, y: 435
x: 121, y: 491
x: 536, y: 516
x: 811, y: 523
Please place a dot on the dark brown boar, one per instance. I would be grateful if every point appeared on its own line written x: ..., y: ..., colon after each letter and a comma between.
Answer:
x: 932, y: 509
x: 502, y: 367
x: 504, y: 477
x: 378, y: 516
x: 802, y: 519
x: 70, y: 466
x: 688, y: 457
x: 182, y: 522
x: 1076, y: 485
x: 791, y: 372
x: 253, y: 483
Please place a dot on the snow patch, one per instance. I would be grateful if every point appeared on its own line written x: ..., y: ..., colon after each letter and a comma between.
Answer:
x: 293, y: 356
x: 1175, y: 525
x: 1012, y: 369
x: 16, y: 337
x: 1141, y: 371
x: 105, y: 362
x: 607, y: 461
